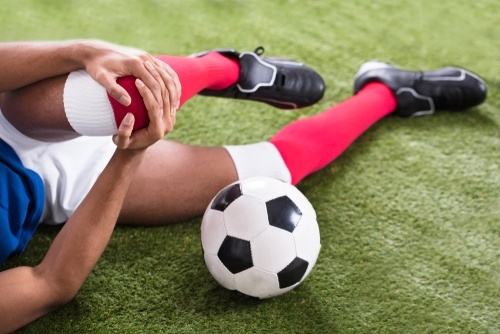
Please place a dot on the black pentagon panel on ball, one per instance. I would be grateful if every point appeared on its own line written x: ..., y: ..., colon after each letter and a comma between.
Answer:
x: 226, y: 197
x: 235, y: 254
x: 283, y: 213
x: 292, y: 273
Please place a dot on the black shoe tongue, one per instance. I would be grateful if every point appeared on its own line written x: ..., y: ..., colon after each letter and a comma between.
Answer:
x: 255, y: 73
x: 410, y: 104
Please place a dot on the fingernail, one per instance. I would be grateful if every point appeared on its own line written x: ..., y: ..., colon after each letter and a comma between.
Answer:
x: 127, y: 120
x: 148, y: 64
x: 178, y: 104
x: 124, y: 100
x: 139, y: 81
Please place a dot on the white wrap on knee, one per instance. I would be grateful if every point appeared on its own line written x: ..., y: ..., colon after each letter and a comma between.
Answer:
x: 260, y: 159
x: 87, y: 107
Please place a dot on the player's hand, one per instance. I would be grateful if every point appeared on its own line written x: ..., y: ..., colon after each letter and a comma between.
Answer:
x: 161, y: 122
x: 106, y: 62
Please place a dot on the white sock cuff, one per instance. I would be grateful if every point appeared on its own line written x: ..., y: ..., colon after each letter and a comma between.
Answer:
x: 260, y: 159
x: 87, y: 107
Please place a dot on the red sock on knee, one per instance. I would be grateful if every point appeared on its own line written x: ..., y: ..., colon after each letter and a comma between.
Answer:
x: 212, y: 71
x: 308, y: 145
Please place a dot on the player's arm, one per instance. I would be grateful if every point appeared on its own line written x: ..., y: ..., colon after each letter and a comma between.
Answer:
x: 28, y: 293
x: 23, y: 63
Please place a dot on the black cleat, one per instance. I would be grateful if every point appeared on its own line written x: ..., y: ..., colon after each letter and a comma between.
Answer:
x: 282, y: 83
x: 421, y: 93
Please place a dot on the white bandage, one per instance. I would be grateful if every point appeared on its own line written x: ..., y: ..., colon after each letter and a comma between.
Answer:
x: 87, y: 107
x: 260, y: 159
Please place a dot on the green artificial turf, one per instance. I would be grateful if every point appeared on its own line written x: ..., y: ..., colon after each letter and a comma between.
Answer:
x: 409, y: 215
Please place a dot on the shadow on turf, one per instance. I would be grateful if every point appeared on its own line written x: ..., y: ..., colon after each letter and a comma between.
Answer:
x: 296, y: 310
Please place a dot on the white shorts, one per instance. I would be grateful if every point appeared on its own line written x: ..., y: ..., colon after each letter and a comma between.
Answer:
x: 68, y: 169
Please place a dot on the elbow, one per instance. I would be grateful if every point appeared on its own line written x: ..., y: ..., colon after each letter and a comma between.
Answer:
x: 63, y: 295
x: 61, y: 289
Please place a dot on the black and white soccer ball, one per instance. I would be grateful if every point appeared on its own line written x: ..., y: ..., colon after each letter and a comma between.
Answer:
x: 260, y: 237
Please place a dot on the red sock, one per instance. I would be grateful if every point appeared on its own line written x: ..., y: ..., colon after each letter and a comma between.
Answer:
x: 308, y: 145
x: 213, y: 71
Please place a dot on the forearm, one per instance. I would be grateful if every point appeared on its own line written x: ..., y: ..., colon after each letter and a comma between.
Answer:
x: 33, y: 79
x: 81, y: 242
x: 29, y: 293
x: 23, y: 63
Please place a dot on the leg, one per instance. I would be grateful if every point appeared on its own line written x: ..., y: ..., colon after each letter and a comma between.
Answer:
x: 183, y: 188
x: 49, y: 122
x: 49, y: 99
x: 310, y: 144
x: 75, y: 104
x: 167, y: 190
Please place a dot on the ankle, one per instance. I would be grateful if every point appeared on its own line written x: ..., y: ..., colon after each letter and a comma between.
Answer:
x: 223, y: 71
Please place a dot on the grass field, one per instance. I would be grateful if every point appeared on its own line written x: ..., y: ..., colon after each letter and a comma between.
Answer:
x: 409, y: 215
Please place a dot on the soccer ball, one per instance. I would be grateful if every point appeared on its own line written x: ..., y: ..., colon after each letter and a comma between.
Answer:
x: 260, y: 237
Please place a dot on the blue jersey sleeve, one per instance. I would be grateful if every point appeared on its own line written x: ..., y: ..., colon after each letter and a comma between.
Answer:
x: 21, y: 203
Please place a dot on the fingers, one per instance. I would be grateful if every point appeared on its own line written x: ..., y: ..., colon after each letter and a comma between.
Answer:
x: 139, y: 68
x: 171, y: 94
x: 162, y: 80
x: 172, y: 83
x: 170, y: 90
x: 161, y: 121
x: 154, y: 108
x: 115, y: 90
x: 123, y: 138
x: 156, y: 129
x: 156, y: 113
x: 161, y: 96
x: 167, y: 83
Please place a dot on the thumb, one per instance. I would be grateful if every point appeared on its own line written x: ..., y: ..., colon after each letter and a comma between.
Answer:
x: 122, y: 138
